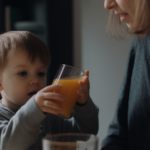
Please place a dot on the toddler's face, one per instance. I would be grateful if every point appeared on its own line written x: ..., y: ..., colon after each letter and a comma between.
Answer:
x: 21, y: 79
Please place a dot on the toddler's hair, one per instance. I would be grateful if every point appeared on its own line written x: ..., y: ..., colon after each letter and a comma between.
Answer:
x: 26, y: 41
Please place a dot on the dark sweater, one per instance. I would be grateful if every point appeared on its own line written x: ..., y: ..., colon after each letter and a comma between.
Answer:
x: 130, y: 128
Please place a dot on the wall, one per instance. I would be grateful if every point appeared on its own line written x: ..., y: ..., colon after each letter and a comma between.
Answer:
x: 104, y: 56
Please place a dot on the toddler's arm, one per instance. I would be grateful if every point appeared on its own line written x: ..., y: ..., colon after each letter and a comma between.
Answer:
x: 22, y: 130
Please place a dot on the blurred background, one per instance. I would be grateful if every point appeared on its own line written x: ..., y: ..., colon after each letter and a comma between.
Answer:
x: 75, y: 33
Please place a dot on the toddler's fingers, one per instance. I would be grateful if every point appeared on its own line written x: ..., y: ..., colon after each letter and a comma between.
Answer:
x: 84, y: 85
x: 83, y: 89
x: 85, y: 80
x: 81, y: 93
x: 50, y: 110
x: 87, y: 73
x: 54, y: 96
x: 51, y: 105
x: 51, y: 88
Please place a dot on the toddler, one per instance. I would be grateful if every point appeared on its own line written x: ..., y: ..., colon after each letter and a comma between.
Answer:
x: 28, y: 107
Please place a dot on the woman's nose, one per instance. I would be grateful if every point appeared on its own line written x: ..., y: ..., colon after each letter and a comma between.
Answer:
x: 109, y: 4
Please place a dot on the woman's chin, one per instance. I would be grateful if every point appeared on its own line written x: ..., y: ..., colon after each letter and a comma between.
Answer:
x: 130, y: 26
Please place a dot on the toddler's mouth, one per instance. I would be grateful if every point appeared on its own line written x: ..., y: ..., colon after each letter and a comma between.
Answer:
x: 32, y: 93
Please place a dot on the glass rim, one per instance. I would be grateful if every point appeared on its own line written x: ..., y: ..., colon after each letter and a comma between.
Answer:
x: 73, y: 67
x: 95, y: 140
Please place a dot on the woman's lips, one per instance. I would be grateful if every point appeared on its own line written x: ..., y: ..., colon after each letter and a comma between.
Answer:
x: 123, y: 16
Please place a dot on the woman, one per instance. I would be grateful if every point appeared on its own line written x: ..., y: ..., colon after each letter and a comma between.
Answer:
x: 130, y: 128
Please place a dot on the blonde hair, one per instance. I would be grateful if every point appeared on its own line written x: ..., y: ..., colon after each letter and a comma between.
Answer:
x: 141, y: 21
x: 28, y: 42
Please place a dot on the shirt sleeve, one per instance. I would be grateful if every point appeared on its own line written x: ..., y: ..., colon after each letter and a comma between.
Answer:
x: 84, y: 119
x: 22, y: 130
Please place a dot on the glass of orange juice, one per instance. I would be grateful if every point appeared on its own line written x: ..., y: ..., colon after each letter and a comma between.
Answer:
x: 68, y: 77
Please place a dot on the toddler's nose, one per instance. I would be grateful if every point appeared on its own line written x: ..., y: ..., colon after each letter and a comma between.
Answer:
x: 109, y: 4
x: 34, y: 80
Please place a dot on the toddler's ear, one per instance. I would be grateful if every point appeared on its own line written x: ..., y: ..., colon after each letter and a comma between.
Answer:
x: 1, y: 88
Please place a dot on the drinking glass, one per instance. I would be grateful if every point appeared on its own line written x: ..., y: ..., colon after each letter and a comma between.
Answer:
x: 68, y: 77
x: 70, y: 141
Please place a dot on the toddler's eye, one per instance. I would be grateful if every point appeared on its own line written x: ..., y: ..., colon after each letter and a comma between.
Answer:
x: 41, y: 74
x: 22, y: 73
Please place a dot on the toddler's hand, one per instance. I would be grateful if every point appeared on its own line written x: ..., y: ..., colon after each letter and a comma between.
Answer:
x: 46, y: 99
x: 83, y: 91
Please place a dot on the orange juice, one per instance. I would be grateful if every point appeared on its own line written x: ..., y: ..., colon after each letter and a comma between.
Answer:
x: 69, y: 91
